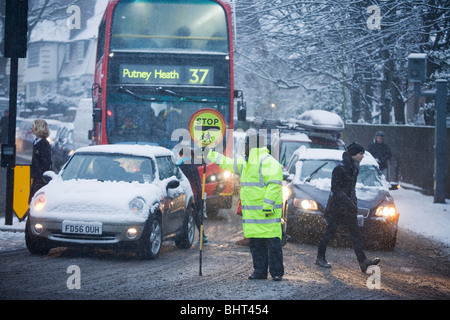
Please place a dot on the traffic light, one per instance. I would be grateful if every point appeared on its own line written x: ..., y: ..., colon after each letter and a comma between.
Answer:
x: 16, y: 27
x: 417, y: 67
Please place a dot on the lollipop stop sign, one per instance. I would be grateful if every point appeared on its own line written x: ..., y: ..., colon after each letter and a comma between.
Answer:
x: 207, y: 127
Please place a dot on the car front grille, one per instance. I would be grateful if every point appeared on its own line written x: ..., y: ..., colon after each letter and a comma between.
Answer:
x: 83, y: 237
x: 364, y: 212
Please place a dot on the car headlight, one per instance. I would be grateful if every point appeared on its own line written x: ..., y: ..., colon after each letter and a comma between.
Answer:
x: 306, y: 204
x: 286, y: 192
x: 136, y: 205
x: 386, y: 211
x: 39, y: 202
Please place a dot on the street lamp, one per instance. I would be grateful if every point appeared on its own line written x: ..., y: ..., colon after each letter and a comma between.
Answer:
x: 273, y: 106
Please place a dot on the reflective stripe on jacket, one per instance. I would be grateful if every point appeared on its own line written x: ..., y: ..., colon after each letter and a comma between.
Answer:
x: 261, y: 193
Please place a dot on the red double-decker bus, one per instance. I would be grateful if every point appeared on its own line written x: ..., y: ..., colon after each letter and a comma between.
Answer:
x: 158, y: 62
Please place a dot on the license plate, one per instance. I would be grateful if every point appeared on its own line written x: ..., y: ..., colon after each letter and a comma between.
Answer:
x: 78, y: 227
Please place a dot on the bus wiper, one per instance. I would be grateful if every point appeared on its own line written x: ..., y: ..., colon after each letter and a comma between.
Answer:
x: 160, y: 89
x: 182, y: 98
x: 134, y: 95
x: 309, y: 177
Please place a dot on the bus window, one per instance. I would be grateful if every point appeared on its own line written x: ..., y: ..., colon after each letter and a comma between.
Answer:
x: 131, y: 120
x: 199, y: 25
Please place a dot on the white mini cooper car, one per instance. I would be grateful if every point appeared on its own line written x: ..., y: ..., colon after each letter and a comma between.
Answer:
x: 128, y: 197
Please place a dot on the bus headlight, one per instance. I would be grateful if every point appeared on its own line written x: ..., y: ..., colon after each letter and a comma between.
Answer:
x: 226, y: 174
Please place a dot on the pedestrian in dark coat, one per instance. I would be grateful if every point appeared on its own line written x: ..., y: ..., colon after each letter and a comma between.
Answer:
x: 342, y: 207
x: 42, y: 157
x: 380, y: 151
x: 190, y: 170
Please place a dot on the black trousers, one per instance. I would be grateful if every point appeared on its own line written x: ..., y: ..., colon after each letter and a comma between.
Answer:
x: 351, y: 223
x: 267, y: 255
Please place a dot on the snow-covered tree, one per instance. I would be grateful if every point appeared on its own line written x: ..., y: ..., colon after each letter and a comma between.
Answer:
x: 353, y: 49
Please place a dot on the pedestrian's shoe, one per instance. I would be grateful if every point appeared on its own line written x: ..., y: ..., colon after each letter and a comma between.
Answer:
x: 255, y: 276
x: 366, y: 263
x: 276, y: 278
x: 320, y: 261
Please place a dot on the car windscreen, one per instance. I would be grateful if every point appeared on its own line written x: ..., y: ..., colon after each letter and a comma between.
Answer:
x: 109, y: 167
x: 311, y: 170
x: 287, y: 148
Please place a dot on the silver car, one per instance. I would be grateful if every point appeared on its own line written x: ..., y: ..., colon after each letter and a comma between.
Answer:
x: 128, y: 197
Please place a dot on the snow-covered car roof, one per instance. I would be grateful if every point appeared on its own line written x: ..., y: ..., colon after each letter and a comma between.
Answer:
x: 330, y: 154
x: 131, y: 149
x: 321, y: 120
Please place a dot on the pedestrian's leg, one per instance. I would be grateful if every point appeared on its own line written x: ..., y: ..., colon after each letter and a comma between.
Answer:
x: 356, y: 239
x: 276, y: 267
x: 327, y: 236
x: 259, y: 251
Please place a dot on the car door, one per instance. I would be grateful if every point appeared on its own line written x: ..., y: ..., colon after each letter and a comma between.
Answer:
x: 174, y: 203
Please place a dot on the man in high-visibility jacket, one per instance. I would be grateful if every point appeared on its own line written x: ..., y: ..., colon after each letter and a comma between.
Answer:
x: 261, y: 197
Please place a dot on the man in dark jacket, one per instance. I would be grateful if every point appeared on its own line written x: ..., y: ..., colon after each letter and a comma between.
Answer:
x: 380, y: 150
x: 343, y: 208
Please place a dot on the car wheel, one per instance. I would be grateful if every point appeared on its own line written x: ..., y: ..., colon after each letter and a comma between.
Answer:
x: 35, y: 244
x: 186, y: 236
x: 151, y: 240
x: 390, y: 244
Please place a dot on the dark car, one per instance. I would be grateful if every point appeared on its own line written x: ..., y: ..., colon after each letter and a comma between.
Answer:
x: 309, y: 182
x: 63, y: 147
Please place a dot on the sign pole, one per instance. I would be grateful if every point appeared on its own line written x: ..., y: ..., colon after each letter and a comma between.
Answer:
x: 203, y: 210
x: 207, y: 129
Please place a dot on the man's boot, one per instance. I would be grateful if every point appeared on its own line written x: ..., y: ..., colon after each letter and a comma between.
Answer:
x: 320, y: 261
x: 366, y: 263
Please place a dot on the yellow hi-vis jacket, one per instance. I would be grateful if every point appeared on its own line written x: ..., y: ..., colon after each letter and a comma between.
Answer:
x: 261, y: 193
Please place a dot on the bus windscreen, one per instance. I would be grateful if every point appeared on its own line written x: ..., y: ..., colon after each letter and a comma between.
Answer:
x: 179, y: 26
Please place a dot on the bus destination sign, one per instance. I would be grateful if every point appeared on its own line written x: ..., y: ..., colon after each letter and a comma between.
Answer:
x: 168, y: 75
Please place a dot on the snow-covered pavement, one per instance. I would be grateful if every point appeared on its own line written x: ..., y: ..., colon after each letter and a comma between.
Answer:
x: 418, y: 213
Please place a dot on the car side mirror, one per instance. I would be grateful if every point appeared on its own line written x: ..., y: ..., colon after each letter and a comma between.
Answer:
x: 394, y: 186
x: 49, y: 175
x: 173, y: 184
x: 287, y: 176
